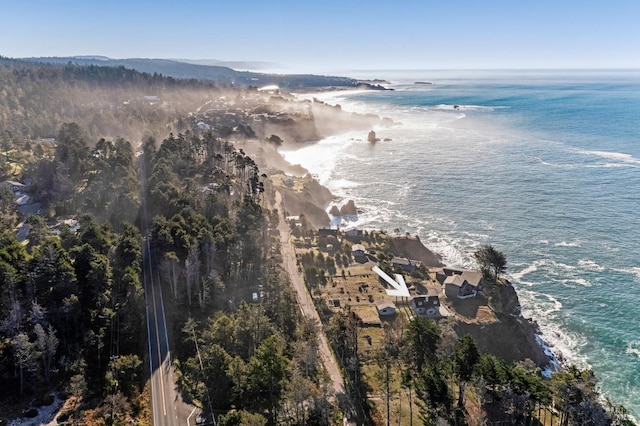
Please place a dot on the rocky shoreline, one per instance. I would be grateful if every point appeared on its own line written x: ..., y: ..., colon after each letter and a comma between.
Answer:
x: 505, y: 333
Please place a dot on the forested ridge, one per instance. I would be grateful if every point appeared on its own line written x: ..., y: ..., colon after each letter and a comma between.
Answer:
x: 215, y: 73
x: 72, y: 301
x: 36, y: 99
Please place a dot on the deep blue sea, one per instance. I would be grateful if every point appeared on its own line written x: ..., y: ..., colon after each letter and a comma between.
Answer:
x: 543, y: 165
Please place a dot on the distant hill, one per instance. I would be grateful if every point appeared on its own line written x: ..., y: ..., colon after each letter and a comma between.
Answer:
x: 199, y: 71
x: 236, y: 65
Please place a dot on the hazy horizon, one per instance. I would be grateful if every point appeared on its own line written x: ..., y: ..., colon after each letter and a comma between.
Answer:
x: 331, y: 36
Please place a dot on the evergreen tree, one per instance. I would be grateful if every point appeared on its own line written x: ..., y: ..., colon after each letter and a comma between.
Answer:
x: 492, y: 262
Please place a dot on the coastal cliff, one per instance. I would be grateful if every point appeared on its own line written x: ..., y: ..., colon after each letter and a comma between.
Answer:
x: 496, y: 325
x: 304, y: 196
x: 412, y: 248
x: 493, y: 319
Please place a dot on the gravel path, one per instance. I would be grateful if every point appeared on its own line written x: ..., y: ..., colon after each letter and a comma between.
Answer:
x: 309, y: 311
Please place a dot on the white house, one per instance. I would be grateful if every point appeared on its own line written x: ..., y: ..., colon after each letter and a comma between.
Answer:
x: 385, y: 307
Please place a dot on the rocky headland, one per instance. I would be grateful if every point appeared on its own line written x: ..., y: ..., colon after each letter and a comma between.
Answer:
x: 493, y: 319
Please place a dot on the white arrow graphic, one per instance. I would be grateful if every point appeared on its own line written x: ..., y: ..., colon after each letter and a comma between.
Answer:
x: 400, y: 287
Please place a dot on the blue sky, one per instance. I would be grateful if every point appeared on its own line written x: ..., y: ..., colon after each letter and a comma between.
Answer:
x: 329, y: 35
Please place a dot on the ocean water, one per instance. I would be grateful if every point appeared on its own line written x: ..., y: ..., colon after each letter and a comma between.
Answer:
x: 543, y: 165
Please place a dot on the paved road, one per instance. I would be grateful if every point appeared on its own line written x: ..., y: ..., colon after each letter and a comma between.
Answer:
x: 167, y: 406
x: 309, y: 310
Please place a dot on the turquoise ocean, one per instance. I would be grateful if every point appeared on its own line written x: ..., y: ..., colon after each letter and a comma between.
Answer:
x: 543, y: 165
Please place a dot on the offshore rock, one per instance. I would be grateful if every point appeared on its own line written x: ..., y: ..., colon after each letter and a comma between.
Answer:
x: 349, y: 209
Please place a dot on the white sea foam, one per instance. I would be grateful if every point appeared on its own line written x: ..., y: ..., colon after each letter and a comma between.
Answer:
x: 554, y: 363
x: 517, y: 276
x: 625, y: 161
x: 590, y: 265
x: 564, y: 345
x: 455, y: 252
x: 633, y: 348
x: 558, y: 268
x: 552, y: 269
x: 580, y: 281
x: 568, y: 244
x: 345, y: 183
x: 464, y: 107
x: 617, y: 156
x: 634, y: 271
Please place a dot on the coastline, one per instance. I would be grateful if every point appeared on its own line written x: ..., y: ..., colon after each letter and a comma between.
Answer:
x: 529, y: 333
x: 365, y: 173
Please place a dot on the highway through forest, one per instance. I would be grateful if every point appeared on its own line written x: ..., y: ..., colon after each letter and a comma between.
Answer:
x: 167, y: 406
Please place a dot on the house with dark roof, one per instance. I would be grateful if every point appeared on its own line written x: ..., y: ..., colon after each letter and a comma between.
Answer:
x: 13, y: 185
x: 444, y: 272
x: 327, y: 236
x: 406, y: 265
x: 427, y: 305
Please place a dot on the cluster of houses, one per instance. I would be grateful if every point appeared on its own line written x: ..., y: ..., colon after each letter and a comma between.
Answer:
x: 24, y: 205
x: 18, y: 189
x: 455, y: 284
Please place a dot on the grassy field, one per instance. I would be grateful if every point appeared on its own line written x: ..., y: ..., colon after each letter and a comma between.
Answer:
x: 356, y: 287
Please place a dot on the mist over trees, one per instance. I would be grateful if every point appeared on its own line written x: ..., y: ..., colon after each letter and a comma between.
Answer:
x: 37, y: 99
x: 72, y: 308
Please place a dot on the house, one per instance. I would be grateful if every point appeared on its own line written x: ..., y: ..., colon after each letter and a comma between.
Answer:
x: 385, y: 307
x: 358, y: 251
x: 354, y: 233
x: 18, y: 191
x: 27, y: 209
x: 334, y: 303
x: 327, y: 232
x: 22, y: 233
x: 327, y: 236
x: 407, y: 265
x: 428, y: 305
x: 464, y: 285
x: 443, y: 273
x: 14, y: 186
x: 295, y: 219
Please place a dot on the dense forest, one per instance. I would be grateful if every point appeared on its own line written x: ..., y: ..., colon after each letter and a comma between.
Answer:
x: 101, y: 151
x: 36, y: 99
x: 71, y: 301
x: 214, y: 237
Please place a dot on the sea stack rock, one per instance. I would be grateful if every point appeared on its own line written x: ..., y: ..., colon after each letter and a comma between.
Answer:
x: 372, y: 136
x: 334, y: 211
x: 349, y: 209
